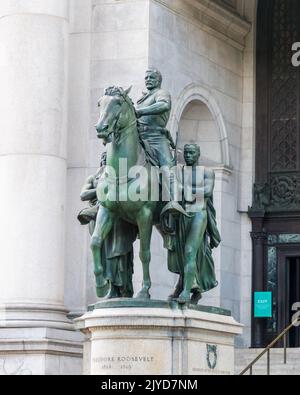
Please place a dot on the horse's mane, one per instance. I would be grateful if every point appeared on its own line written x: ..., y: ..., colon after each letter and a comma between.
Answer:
x: 114, y: 91
x: 118, y: 91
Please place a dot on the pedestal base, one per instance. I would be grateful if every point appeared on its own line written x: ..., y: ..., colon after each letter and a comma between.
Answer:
x: 38, y: 340
x: 132, y: 337
x: 40, y: 351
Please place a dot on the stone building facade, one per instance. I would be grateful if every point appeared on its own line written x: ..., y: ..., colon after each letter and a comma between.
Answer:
x: 56, y: 58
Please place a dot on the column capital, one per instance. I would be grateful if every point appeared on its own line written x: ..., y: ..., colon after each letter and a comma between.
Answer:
x: 259, y: 237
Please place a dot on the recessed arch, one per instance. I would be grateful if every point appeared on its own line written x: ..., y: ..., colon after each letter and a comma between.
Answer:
x: 191, y: 95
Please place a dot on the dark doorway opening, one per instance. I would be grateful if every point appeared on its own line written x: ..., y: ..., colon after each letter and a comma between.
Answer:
x: 292, y: 297
x: 275, y: 211
x: 289, y: 293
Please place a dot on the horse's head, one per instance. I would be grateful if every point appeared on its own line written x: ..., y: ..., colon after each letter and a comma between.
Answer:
x: 116, y: 112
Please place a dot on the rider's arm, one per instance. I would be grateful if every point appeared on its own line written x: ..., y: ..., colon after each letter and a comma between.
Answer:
x: 88, y: 192
x: 154, y: 109
x: 162, y: 105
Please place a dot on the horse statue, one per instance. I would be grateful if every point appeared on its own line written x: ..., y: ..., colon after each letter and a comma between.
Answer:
x: 117, y: 127
x: 188, y: 225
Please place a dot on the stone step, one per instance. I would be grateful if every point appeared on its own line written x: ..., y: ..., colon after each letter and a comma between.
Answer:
x: 273, y: 365
x: 243, y: 357
x: 272, y: 360
x: 278, y: 372
x: 275, y: 370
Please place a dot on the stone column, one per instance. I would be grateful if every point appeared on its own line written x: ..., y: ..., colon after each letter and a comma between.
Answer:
x: 34, y: 39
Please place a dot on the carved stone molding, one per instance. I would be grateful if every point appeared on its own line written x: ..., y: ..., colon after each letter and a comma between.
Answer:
x: 220, y: 21
x: 281, y: 194
x: 285, y: 191
x: 259, y: 237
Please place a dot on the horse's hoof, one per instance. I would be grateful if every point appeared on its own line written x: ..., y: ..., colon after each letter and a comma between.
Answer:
x: 184, y: 298
x: 101, y: 282
x: 143, y: 295
x: 113, y: 294
x: 175, y: 295
x: 102, y: 291
x: 110, y: 297
x: 172, y: 298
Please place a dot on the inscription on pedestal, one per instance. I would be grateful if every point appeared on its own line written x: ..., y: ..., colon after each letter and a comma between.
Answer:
x: 123, y: 362
x: 112, y: 358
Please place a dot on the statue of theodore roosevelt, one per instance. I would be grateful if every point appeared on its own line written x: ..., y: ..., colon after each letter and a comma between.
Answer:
x: 153, y: 112
x: 193, y: 233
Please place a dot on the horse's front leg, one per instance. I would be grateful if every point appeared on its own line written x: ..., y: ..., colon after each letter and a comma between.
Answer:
x: 145, y: 226
x: 104, y: 223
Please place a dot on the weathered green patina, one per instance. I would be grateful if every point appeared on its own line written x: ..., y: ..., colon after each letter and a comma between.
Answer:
x: 117, y: 250
x: 117, y: 126
x: 153, y: 111
x: 158, y: 304
x: 139, y: 136
x: 190, y: 252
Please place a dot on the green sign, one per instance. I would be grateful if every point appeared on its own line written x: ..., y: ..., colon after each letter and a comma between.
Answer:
x: 263, y: 305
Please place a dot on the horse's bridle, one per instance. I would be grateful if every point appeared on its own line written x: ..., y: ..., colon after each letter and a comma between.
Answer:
x: 118, y: 131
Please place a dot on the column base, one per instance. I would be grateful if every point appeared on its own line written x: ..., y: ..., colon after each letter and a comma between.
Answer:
x: 17, y: 315
x: 38, y: 340
x: 40, y: 351
x: 133, y: 337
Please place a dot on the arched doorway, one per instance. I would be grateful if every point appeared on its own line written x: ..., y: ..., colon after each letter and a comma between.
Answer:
x: 275, y: 212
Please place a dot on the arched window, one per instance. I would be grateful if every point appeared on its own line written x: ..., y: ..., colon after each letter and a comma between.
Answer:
x: 197, y: 125
x: 197, y: 119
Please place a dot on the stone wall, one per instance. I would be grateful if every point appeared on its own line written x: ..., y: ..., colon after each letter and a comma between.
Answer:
x: 247, y: 169
x: 206, y: 56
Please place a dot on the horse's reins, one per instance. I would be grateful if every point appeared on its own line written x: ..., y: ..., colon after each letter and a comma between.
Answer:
x: 120, y: 132
x: 117, y: 132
